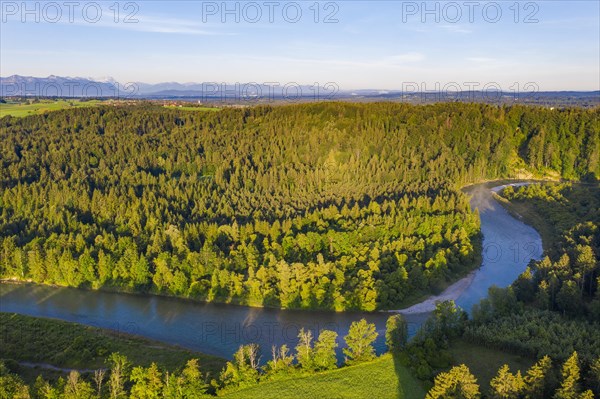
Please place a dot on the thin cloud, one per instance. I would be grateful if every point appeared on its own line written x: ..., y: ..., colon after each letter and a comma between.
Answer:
x: 406, y: 58
x: 456, y: 28
x: 171, y: 25
x: 153, y: 24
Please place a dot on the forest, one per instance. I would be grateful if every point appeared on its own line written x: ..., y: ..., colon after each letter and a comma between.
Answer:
x: 316, y: 206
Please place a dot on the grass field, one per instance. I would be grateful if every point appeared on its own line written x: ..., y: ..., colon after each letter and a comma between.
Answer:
x: 22, y: 109
x: 485, y: 362
x: 380, y: 379
x: 25, y: 109
x: 70, y: 345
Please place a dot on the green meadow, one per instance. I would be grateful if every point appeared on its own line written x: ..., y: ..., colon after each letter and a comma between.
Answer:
x: 21, y: 109
x: 382, y: 378
x: 485, y: 362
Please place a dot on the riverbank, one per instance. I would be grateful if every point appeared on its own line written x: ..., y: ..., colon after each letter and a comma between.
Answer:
x: 483, y: 199
x: 551, y: 229
x: 57, y: 347
x: 527, y: 214
x: 452, y: 293
x: 412, y: 300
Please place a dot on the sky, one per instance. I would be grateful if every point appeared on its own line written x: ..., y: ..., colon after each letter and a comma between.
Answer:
x: 385, y: 45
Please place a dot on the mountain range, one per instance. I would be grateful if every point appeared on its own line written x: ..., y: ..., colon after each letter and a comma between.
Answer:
x: 78, y: 87
x: 59, y: 86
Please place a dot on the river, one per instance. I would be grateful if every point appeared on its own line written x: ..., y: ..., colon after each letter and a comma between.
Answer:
x: 219, y: 329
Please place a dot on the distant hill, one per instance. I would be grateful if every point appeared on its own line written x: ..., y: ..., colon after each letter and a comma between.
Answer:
x: 58, y: 86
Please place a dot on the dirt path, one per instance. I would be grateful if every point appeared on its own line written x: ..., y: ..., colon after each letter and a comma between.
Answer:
x: 54, y: 368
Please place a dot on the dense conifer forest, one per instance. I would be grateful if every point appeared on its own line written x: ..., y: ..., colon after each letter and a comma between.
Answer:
x: 328, y: 205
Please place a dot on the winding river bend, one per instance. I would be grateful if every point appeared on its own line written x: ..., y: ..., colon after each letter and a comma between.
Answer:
x: 217, y: 329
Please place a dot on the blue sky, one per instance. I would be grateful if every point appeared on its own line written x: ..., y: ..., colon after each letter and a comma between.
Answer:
x: 373, y: 44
